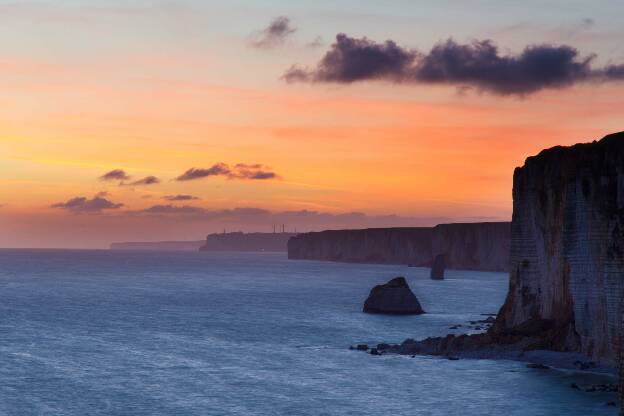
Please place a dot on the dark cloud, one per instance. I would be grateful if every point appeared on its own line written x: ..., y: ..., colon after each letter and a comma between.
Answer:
x: 257, y: 172
x: 218, y: 169
x: 81, y: 204
x: 273, y: 35
x: 240, y: 171
x: 350, y: 60
x: 148, y: 180
x: 115, y: 175
x: 479, y: 65
x: 180, y: 197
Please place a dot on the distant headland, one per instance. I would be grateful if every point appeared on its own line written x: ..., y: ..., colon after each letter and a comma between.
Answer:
x: 233, y: 241
x: 159, y: 245
x: 240, y: 241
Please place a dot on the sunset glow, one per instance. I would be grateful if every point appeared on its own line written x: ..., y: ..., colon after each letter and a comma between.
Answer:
x: 158, y: 88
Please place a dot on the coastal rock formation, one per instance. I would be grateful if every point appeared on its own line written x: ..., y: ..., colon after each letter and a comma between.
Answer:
x: 473, y: 246
x: 239, y: 241
x: 437, y: 268
x: 394, y: 297
x: 567, y: 248
x: 566, y: 289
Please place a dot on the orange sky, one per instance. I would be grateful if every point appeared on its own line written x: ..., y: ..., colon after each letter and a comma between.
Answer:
x: 423, y: 153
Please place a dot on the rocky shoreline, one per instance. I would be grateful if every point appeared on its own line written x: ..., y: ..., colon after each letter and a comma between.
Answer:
x: 534, y: 344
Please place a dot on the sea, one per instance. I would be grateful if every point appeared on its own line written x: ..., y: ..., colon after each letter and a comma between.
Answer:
x: 97, y: 332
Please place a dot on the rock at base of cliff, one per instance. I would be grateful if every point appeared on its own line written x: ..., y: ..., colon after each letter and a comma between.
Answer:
x: 438, y: 267
x: 394, y: 298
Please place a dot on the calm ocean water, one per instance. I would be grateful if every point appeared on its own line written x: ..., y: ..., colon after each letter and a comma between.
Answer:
x: 120, y: 333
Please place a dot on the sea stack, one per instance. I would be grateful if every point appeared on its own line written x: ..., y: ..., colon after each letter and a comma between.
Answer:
x: 437, y: 269
x: 393, y: 298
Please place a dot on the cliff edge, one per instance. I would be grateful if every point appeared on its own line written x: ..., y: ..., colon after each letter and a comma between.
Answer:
x: 566, y: 287
x: 567, y: 247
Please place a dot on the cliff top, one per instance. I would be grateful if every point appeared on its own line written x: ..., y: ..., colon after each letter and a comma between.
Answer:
x: 581, y: 152
x: 453, y: 224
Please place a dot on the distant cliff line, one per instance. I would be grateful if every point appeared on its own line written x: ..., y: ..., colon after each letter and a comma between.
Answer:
x: 235, y: 241
x: 468, y: 246
x: 239, y: 241
x: 158, y: 245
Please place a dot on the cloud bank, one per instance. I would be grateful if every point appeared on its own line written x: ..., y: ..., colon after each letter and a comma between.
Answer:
x: 251, y: 218
x: 479, y: 65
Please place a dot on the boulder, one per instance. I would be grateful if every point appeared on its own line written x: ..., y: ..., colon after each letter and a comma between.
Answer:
x: 437, y: 269
x: 394, y: 297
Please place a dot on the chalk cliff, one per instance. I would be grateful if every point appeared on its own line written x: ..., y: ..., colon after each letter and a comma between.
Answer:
x: 566, y: 289
x: 239, y: 241
x: 471, y: 246
x: 373, y: 245
x: 567, y: 247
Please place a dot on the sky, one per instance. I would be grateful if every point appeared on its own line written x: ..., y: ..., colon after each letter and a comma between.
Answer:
x: 169, y: 120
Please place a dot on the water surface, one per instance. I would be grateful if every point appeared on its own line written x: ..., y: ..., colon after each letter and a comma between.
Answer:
x: 123, y: 333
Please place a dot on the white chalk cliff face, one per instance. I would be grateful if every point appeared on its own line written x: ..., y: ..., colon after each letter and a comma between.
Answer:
x: 567, y: 246
x: 476, y: 246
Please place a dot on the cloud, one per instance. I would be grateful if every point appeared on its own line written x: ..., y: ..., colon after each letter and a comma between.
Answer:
x: 614, y: 72
x: 115, y: 175
x: 479, y: 65
x: 275, y: 34
x: 82, y: 204
x: 240, y: 171
x: 148, y: 180
x: 171, y: 209
x: 251, y: 217
x: 218, y: 169
x: 256, y: 171
x: 180, y: 197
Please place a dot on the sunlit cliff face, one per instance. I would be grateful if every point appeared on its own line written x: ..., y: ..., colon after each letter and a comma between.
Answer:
x: 191, y: 102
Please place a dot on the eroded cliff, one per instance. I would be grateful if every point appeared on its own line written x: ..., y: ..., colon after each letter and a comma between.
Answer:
x: 567, y: 247
x: 471, y: 246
